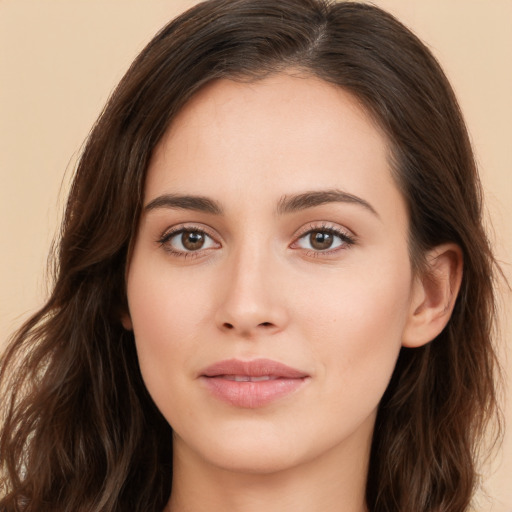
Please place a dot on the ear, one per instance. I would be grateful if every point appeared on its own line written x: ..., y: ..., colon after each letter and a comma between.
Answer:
x: 433, y: 295
x: 126, y: 320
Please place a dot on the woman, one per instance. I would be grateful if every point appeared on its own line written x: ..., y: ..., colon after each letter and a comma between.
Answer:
x: 274, y: 290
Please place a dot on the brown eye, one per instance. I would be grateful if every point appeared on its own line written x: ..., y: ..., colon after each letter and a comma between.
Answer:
x: 324, y: 240
x: 192, y: 240
x: 321, y: 240
x: 185, y: 241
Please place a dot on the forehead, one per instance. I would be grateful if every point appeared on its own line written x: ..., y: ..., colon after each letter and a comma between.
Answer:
x: 296, y: 107
x: 280, y: 135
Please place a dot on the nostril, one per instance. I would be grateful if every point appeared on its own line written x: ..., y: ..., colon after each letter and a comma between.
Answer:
x: 229, y: 326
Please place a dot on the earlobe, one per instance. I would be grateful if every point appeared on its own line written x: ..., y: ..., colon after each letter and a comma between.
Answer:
x: 433, y: 295
x: 126, y: 320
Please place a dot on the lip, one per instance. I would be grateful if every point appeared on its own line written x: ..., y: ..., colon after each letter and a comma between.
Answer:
x: 251, y: 384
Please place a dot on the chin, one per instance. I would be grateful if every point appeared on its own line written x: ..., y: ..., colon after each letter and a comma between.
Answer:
x: 255, y: 460
x: 247, y: 450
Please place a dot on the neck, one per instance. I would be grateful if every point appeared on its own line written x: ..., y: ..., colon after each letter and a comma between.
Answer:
x: 333, y: 482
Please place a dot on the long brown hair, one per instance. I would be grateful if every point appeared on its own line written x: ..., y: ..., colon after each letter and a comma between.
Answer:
x: 80, y: 431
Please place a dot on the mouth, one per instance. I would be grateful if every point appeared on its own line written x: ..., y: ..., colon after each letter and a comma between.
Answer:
x: 251, y: 384
x: 248, y: 378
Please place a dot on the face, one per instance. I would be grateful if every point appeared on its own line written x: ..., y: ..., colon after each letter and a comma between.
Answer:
x: 270, y: 281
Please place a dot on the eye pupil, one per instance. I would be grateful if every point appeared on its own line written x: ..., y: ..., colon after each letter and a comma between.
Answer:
x: 321, y: 240
x: 192, y: 240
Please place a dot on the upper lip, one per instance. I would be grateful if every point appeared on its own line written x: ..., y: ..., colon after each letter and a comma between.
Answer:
x: 253, y: 368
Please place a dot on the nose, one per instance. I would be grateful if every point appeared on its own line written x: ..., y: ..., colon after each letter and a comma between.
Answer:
x: 251, y: 298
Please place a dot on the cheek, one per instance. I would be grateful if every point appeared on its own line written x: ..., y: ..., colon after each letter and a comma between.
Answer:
x: 164, y: 326
x: 357, y: 325
x: 163, y: 305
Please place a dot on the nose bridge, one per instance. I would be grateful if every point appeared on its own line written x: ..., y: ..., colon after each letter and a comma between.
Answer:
x: 250, y: 300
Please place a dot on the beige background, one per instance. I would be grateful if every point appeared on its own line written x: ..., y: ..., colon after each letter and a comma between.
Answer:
x: 59, y: 59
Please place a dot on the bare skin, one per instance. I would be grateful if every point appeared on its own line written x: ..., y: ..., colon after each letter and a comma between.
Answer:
x: 273, y: 231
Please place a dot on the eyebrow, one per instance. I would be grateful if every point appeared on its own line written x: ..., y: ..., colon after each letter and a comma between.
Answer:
x: 287, y: 204
x: 185, y: 202
x: 290, y: 204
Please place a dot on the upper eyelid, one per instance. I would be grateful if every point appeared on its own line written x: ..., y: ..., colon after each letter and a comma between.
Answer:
x: 174, y: 230
x: 324, y: 225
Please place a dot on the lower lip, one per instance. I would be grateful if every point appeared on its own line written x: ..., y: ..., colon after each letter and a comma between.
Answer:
x: 251, y: 395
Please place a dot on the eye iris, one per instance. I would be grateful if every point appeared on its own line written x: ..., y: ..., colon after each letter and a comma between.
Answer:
x: 192, y: 240
x: 321, y: 240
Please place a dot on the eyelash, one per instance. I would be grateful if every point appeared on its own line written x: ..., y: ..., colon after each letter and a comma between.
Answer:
x: 346, y: 239
x: 169, y: 234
